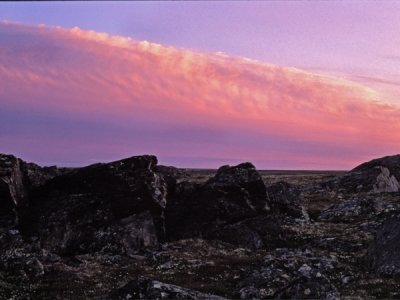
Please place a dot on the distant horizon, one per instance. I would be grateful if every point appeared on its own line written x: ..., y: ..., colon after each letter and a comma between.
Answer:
x: 284, y: 85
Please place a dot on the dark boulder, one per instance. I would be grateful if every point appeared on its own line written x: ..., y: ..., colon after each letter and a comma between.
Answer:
x: 243, y: 184
x: 233, y: 194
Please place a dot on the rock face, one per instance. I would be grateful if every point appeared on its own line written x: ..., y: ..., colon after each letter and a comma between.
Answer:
x: 378, y: 175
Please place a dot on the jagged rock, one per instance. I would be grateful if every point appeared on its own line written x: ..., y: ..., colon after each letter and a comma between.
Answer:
x: 378, y: 175
x: 68, y: 212
x: 384, y: 252
x: 152, y: 289
x: 284, y: 198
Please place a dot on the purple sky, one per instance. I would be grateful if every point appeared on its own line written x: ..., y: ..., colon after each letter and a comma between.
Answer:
x: 351, y: 40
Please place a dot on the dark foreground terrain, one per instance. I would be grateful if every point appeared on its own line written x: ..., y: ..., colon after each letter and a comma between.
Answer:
x: 133, y: 229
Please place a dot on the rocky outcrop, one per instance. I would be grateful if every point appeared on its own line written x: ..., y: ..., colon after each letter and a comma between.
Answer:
x: 377, y: 176
x: 91, y: 208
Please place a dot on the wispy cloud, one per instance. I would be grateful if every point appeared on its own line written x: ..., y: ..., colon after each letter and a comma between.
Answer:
x: 139, y: 96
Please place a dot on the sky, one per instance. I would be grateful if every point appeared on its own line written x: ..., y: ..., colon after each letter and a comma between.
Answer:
x: 286, y: 85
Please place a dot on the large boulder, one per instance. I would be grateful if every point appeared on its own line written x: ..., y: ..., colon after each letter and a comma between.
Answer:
x: 377, y: 176
x: 77, y: 211
x: 222, y: 208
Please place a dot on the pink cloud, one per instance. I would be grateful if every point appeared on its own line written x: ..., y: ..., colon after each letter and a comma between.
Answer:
x: 267, y: 111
